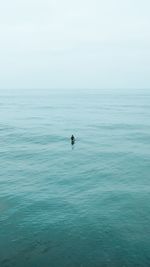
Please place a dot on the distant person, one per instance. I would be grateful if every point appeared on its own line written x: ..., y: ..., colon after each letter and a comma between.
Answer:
x: 72, y: 139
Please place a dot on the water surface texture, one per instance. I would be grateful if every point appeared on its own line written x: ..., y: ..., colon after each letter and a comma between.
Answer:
x: 81, y: 206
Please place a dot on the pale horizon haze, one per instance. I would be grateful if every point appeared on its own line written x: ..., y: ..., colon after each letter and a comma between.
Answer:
x: 74, y: 44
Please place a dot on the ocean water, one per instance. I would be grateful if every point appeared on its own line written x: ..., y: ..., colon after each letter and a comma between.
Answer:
x: 86, y: 205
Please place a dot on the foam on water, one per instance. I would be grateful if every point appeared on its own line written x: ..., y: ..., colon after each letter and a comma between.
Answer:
x: 87, y: 206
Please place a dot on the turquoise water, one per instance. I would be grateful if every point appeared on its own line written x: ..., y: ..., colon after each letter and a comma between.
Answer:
x: 81, y: 206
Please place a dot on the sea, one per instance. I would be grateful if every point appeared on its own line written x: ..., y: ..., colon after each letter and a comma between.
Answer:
x: 81, y: 205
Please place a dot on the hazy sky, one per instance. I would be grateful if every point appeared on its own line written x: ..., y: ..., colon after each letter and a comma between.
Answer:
x: 75, y: 44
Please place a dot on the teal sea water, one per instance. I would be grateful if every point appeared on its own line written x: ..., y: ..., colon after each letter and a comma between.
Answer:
x: 81, y: 206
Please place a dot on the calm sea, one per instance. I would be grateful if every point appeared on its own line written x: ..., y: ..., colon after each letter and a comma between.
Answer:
x: 81, y: 206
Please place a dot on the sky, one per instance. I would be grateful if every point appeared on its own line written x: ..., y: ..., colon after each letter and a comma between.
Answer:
x: 74, y: 44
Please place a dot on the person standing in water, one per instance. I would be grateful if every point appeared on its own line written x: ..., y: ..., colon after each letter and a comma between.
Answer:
x: 72, y: 139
